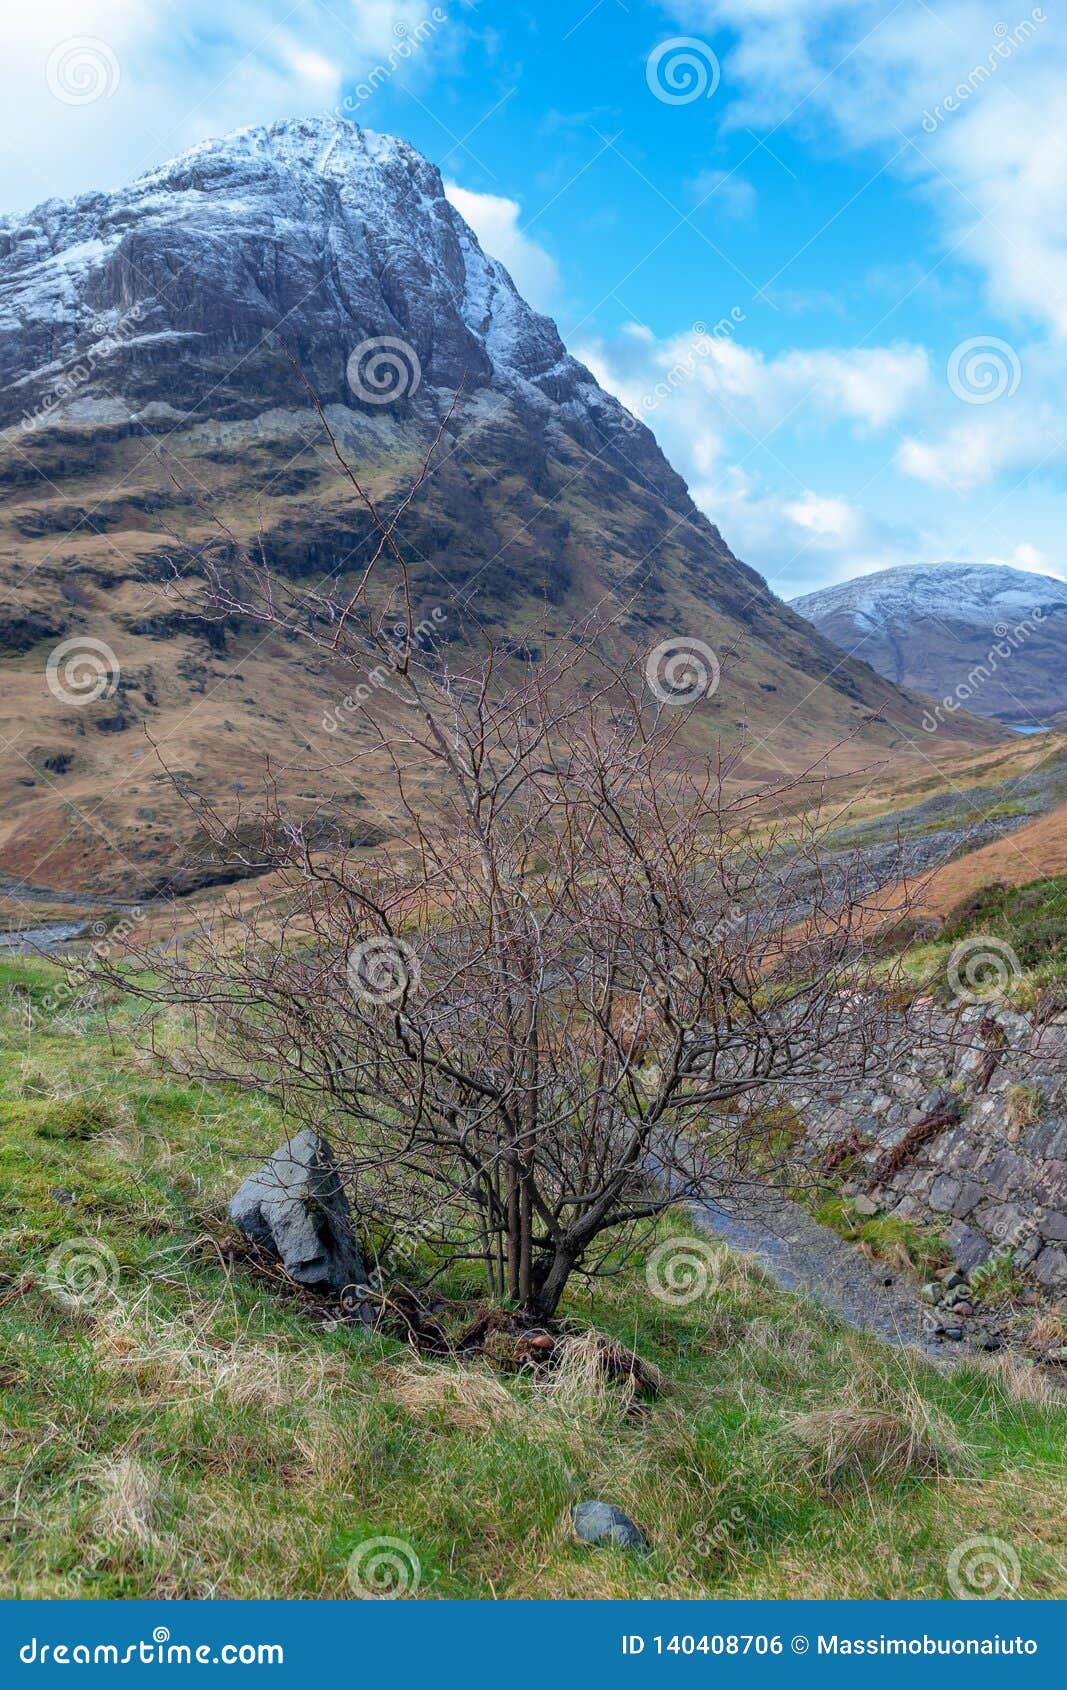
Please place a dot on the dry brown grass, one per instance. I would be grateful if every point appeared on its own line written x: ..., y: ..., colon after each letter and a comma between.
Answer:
x: 127, y: 1497
x: 874, y: 1443
x: 589, y: 1372
x: 170, y: 1361
x: 468, y: 1399
x: 1021, y: 1380
x: 1032, y: 852
x: 1024, y: 1105
x: 1050, y: 1327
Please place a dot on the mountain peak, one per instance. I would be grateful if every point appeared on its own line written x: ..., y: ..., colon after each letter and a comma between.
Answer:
x: 997, y: 633
x: 323, y: 144
x: 148, y: 339
x: 312, y: 229
x: 976, y: 592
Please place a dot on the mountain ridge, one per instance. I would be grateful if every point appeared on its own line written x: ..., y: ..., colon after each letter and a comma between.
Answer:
x: 154, y: 345
x: 995, y: 633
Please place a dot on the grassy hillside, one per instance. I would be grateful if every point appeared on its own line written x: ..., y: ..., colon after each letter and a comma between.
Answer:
x: 517, y: 537
x: 193, y: 1434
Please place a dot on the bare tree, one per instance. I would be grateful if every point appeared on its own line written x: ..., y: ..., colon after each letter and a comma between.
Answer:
x: 562, y: 999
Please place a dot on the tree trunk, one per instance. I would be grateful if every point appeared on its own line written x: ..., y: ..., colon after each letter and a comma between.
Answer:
x: 545, y: 1296
x: 514, y: 1232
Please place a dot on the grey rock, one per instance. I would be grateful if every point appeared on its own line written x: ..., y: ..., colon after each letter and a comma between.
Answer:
x: 1017, y: 1027
x: 938, y: 1098
x: 866, y: 1206
x: 1006, y: 1172
x: 969, y: 1062
x: 1054, y: 1227
x: 889, y: 1134
x: 956, y: 1151
x: 1050, y: 1267
x: 295, y: 1206
x: 604, y: 1524
x: 1054, y: 1181
x: 1048, y: 1138
x: 953, y: 1332
x: 908, y: 1208
x: 969, y: 1247
x: 1007, y: 1224
x: 931, y: 1293
x: 970, y: 1193
x: 944, y: 1193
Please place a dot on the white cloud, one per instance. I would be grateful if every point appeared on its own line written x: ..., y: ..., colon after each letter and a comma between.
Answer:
x: 495, y: 221
x: 828, y: 518
x: 966, y: 94
x: 714, y: 404
x: 1032, y: 560
x: 711, y: 379
x: 1003, y: 440
x: 179, y: 71
x: 801, y: 543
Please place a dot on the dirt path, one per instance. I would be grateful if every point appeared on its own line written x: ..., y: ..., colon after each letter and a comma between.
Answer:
x: 800, y: 1255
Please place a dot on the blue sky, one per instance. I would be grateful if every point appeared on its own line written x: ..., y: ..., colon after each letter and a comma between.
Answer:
x: 868, y: 199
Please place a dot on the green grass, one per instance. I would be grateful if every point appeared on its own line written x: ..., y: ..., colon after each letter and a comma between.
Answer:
x: 1032, y: 919
x: 997, y: 1280
x: 191, y: 1434
x: 888, y: 1238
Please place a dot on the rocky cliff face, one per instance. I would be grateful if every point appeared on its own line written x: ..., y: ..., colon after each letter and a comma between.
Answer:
x: 990, y: 1171
x: 991, y: 639
x: 151, y: 348
x: 317, y: 233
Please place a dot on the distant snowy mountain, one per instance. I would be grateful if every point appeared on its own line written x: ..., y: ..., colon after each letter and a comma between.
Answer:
x: 992, y: 639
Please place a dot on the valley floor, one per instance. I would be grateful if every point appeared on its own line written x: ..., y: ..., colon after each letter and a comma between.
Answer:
x: 189, y: 1433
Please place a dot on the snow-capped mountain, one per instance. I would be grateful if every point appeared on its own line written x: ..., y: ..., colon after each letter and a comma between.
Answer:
x: 155, y: 345
x: 316, y: 231
x: 992, y: 638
